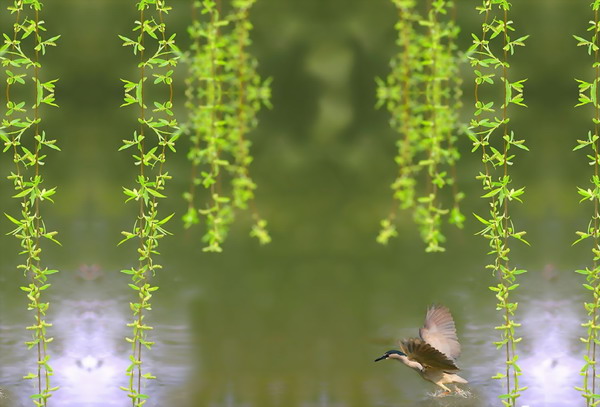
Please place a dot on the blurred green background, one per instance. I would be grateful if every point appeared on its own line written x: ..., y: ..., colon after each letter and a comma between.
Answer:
x: 299, y: 322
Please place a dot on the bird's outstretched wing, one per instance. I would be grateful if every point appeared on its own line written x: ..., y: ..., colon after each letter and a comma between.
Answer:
x: 420, y: 351
x: 439, y: 331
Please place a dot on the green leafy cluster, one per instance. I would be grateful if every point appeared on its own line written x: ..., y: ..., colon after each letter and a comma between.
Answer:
x: 422, y: 93
x: 22, y: 135
x: 224, y: 96
x: 588, y: 95
x: 491, y: 135
x: 156, y: 134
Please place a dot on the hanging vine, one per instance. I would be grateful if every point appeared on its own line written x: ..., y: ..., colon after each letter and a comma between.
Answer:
x: 224, y: 96
x: 24, y: 138
x: 422, y: 95
x: 588, y: 94
x: 156, y: 135
x: 492, y: 136
x: 453, y: 125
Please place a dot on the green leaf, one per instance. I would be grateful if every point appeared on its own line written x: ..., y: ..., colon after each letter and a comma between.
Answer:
x: 166, y: 219
x: 480, y: 219
x: 13, y: 220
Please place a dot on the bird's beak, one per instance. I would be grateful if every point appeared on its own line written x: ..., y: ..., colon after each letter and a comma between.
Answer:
x: 381, y: 358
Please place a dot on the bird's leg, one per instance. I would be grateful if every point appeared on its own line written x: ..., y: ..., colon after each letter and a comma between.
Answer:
x: 446, y: 392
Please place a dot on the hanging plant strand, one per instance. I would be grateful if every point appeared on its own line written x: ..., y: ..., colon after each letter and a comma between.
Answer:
x: 454, y: 128
x: 429, y: 210
x: 588, y: 94
x: 421, y: 95
x: 224, y: 96
x: 400, y: 93
x: 24, y: 138
x: 156, y: 135
x: 492, y: 136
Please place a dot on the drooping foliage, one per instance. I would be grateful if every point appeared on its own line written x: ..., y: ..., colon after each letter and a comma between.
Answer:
x: 27, y: 91
x: 155, y: 136
x: 422, y: 94
x: 224, y: 95
x: 493, y: 138
x: 588, y: 95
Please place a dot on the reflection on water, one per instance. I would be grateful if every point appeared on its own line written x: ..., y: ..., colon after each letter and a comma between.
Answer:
x: 230, y: 400
x: 89, y: 357
x: 91, y: 360
x: 552, y: 355
x: 324, y: 400
x: 289, y: 325
x: 89, y: 353
x: 12, y: 355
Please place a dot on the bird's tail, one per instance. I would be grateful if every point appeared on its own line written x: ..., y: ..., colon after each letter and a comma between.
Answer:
x: 457, y: 379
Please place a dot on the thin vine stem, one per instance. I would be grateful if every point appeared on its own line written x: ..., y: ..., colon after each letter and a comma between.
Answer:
x: 224, y: 94
x: 596, y: 211
x: 433, y: 95
x: 497, y: 158
x: 455, y: 104
x: 422, y: 106
x: 588, y: 94
x: 157, y: 133
x: 21, y: 56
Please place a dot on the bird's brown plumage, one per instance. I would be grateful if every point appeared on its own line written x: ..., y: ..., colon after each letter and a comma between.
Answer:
x: 422, y: 352
x: 433, y: 355
x: 439, y: 331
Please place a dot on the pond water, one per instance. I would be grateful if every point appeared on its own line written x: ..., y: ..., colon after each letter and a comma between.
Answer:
x: 279, y: 339
x: 300, y: 321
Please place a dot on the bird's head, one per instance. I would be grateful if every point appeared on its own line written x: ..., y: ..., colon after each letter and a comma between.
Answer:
x: 391, y: 354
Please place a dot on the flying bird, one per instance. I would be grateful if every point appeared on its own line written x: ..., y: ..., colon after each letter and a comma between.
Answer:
x: 433, y: 355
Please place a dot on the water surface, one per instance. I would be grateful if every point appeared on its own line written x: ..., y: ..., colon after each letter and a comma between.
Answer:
x: 299, y: 322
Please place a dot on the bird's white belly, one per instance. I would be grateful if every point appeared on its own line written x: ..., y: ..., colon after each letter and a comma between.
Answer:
x: 440, y: 377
